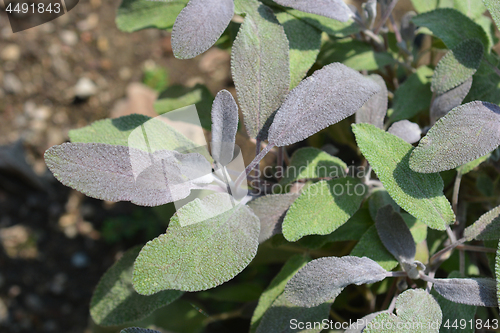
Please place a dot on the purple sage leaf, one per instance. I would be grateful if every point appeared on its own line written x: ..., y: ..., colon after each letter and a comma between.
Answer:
x: 406, y: 130
x: 260, y: 66
x: 374, y: 110
x: 199, y: 25
x: 271, y: 209
x: 224, y: 127
x: 442, y: 104
x: 335, y: 9
x: 471, y: 291
x: 331, y: 94
x: 487, y: 227
x: 395, y: 235
x: 118, y: 173
x: 323, y: 279
x: 466, y: 133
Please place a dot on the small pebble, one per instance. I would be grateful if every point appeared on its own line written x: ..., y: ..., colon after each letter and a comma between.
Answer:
x: 12, y: 84
x: 11, y: 52
x: 69, y: 37
x: 85, y: 88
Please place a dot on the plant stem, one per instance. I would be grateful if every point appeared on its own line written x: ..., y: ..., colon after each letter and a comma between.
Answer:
x: 252, y: 164
x: 454, y: 200
x: 396, y: 274
x: 465, y: 247
x: 385, y: 16
x: 451, y: 235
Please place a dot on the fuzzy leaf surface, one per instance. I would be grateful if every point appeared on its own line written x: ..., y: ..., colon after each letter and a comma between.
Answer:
x: 417, y: 312
x: 331, y: 27
x: 178, y: 96
x: 443, y: 103
x: 311, y: 163
x: 466, y: 133
x: 334, y: 9
x: 323, y: 207
x: 118, y: 173
x: 331, y: 94
x: 421, y: 195
x: 115, y: 301
x: 497, y: 272
x: 353, y: 229
x: 406, y: 130
x: 452, y: 27
x: 371, y: 246
x: 413, y: 96
x: 279, y: 315
x: 271, y: 210
x: 487, y: 227
x: 276, y: 287
x: 305, y: 42
x: 118, y: 131
x: 323, y: 279
x: 457, y: 66
x: 199, y: 25
x: 260, y: 66
x: 471, y: 291
x: 395, y: 234
x: 224, y: 127
x: 468, y: 167
x: 374, y: 110
x: 494, y: 9
x: 135, y: 15
x: 184, y: 258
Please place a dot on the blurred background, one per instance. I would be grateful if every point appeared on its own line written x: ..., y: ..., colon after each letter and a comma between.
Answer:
x: 55, y: 243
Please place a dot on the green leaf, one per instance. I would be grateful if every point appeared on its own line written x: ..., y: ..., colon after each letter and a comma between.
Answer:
x: 494, y: 9
x: 177, y: 96
x: 184, y: 258
x: 466, y: 133
x: 371, y: 246
x: 271, y: 209
x: 284, y: 317
x: 458, y: 65
x: 468, y: 167
x: 239, y: 292
x: 323, y: 207
x: 122, y: 131
x: 311, y: 163
x: 452, y: 27
x: 334, y: 9
x: 276, y: 288
x: 378, y: 199
x: 331, y: 27
x: 115, y: 301
x: 355, y: 54
x: 413, y: 96
x: 471, y: 8
x: 260, y: 66
x: 470, y: 291
x: 353, y: 229
x: 417, y: 312
x: 135, y: 15
x: 421, y: 195
x: 487, y: 227
x: 418, y: 229
x: 305, y: 42
x: 422, y: 6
